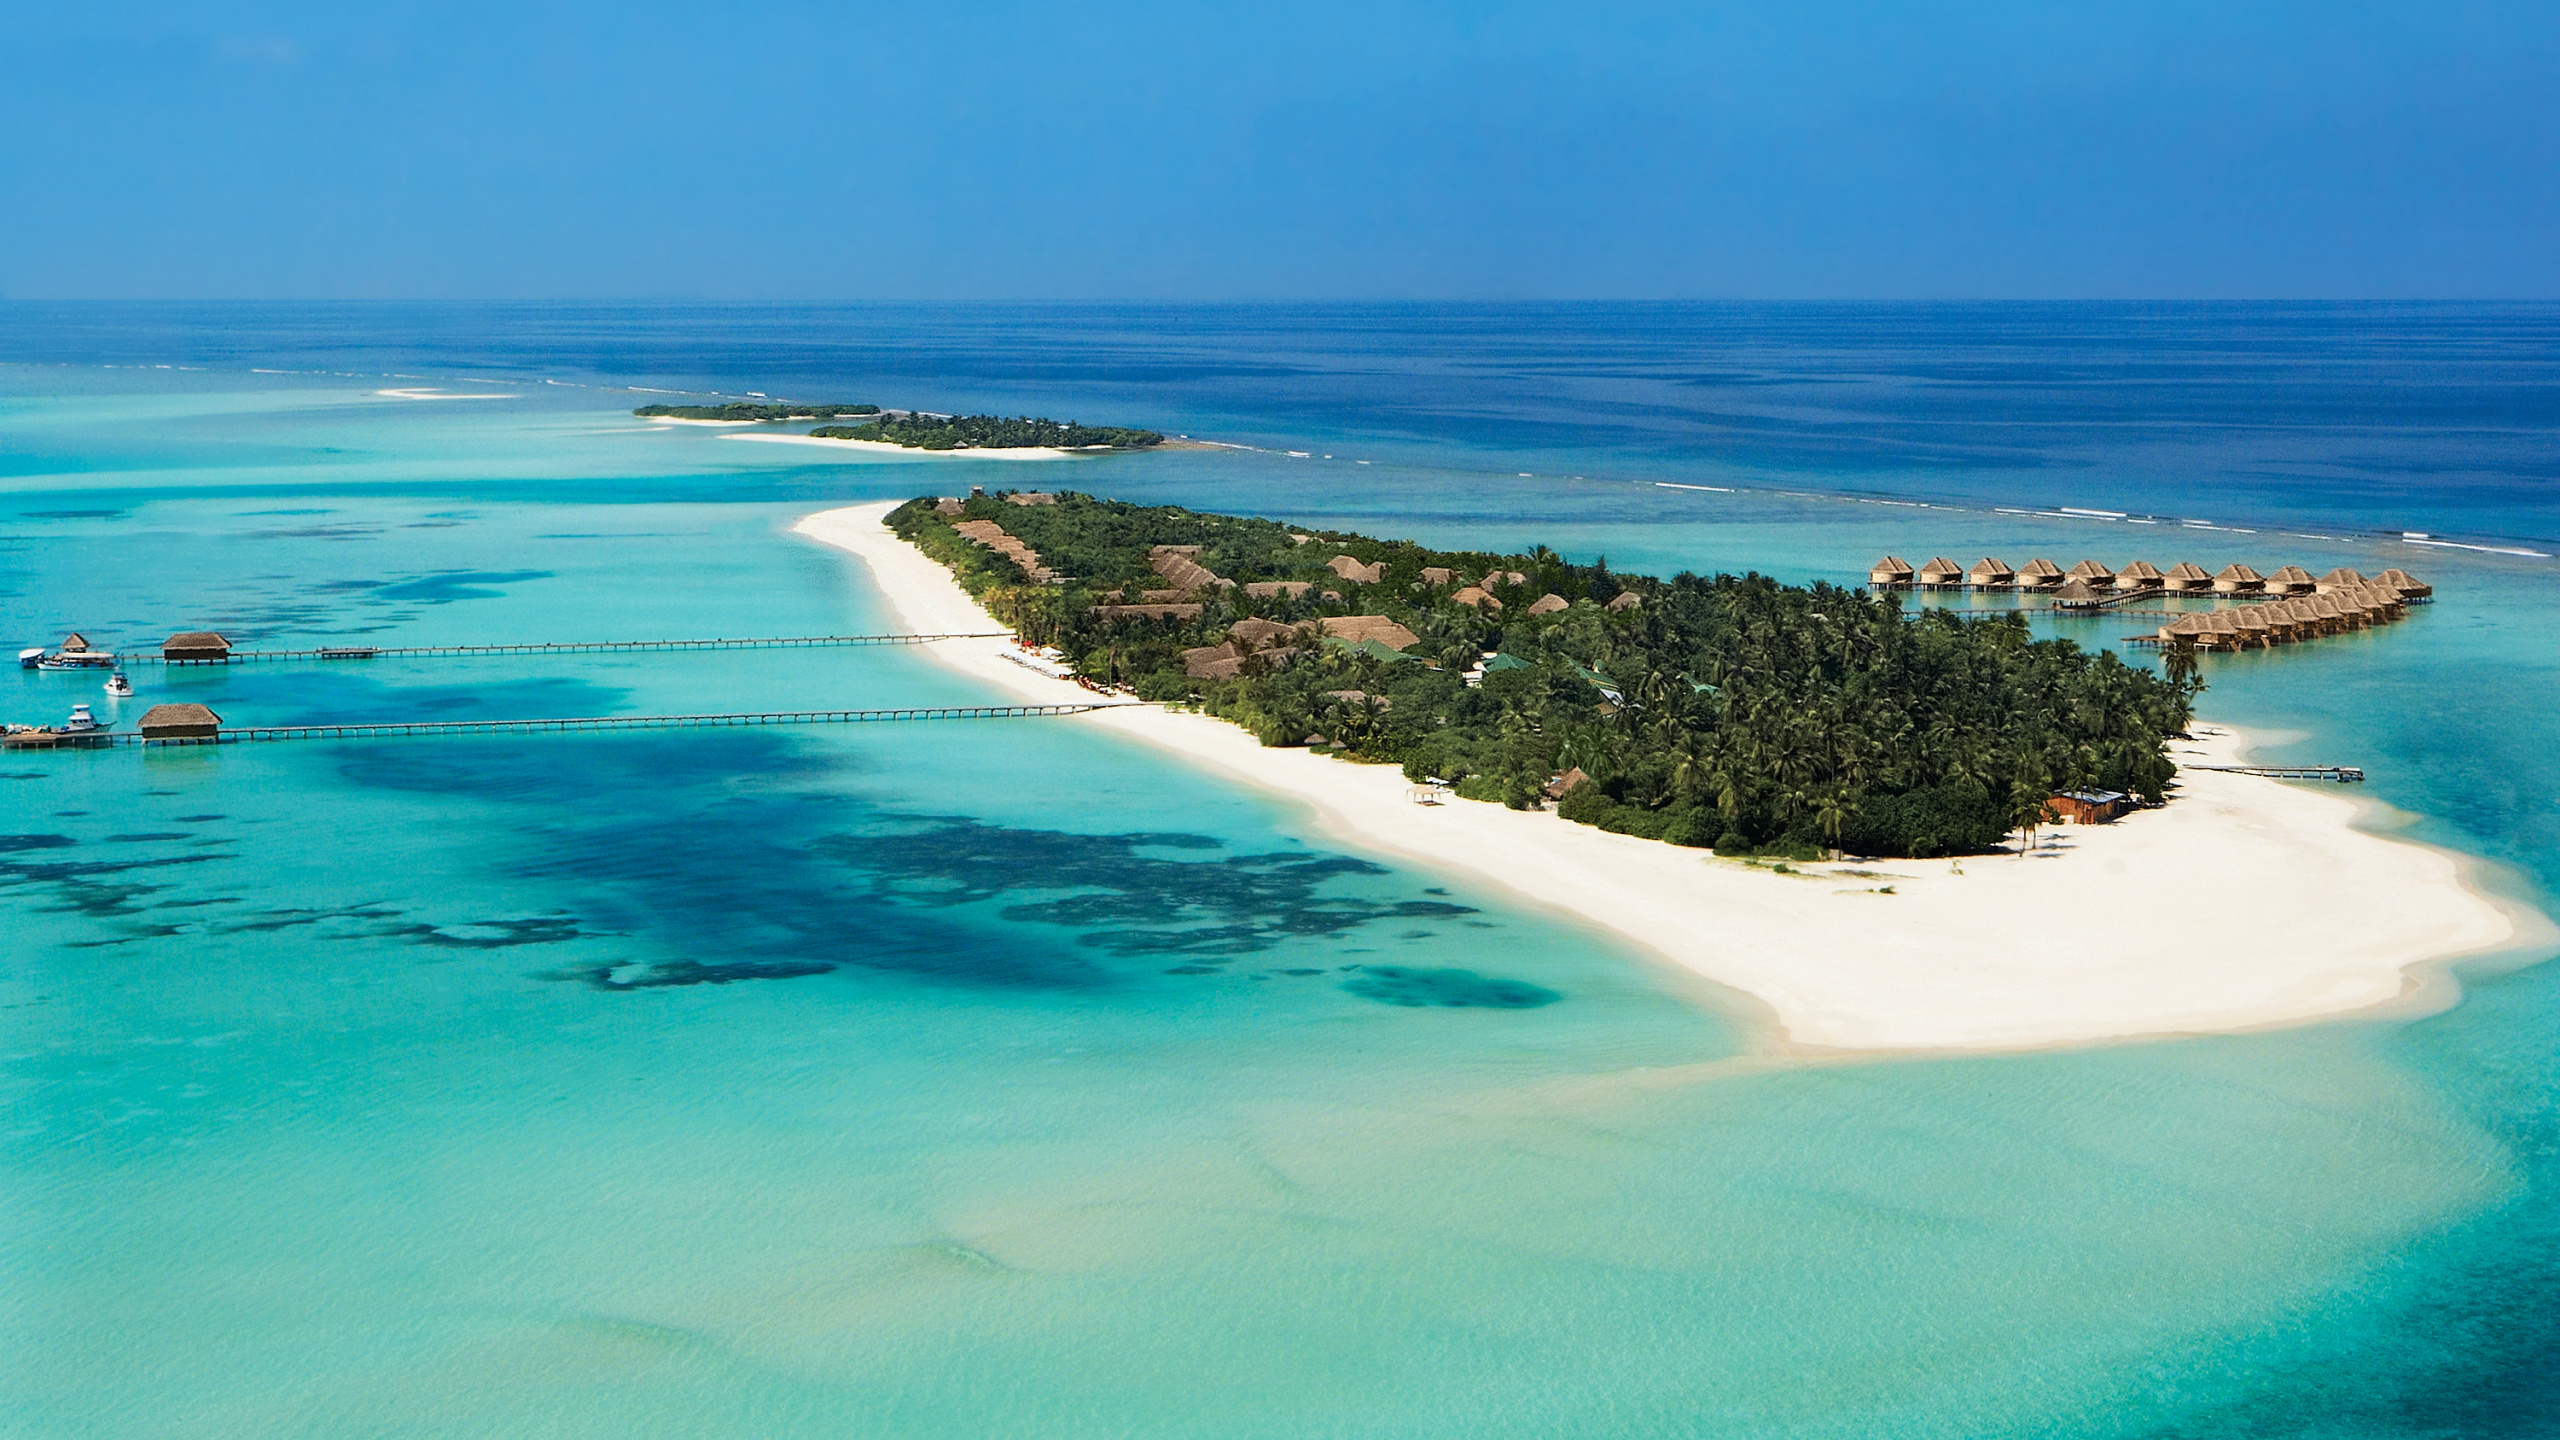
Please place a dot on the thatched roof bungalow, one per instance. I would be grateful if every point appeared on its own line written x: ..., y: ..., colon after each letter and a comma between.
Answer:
x: 2237, y: 580
x: 180, y: 722
x: 1355, y: 572
x: 2409, y: 586
x: 1940, y: 571
x: 1625, y: 600
x: 2039, y: 574
x: 1989, y: 573
x: 1260, y: 634
x: 2075, y: 594
x: 1149, y: 612
x: 2186, y: 630
x: 1356, y: 628
x: 195, y: 645
x: 1438, y: 575
x: 2291, y: 580
x: 1549, y: 603
x: 1477, y: 597
x: 1496, y: 578
x: 2140, y: 575
x: 1890, y: 573
x: 2341, y: 578
x: 1272, y: 589
x: 2186, y: 578
x: 2093, y: 575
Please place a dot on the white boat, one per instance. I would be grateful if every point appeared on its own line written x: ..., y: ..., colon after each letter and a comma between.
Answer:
x: 76, y: 660
x: 119, y: 687
x: 30, y: 659
x: 81, y: 720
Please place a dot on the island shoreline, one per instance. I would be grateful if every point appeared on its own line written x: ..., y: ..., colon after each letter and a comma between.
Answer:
x: 2284, y: 919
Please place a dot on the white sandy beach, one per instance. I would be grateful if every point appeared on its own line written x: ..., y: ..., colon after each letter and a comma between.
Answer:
x: 2244, y: 903
x: 883, y: 447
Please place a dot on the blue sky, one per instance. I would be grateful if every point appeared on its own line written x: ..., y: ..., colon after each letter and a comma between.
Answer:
x: 1111, y: 150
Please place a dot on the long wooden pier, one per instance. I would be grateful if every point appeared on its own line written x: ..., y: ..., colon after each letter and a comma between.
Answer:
x: 389, y: 729
x: 573, y: 647
x: 2338, y: 774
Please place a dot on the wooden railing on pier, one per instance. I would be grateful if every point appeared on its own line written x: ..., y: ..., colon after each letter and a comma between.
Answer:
x: 386, y: 729
x: 573, y: 647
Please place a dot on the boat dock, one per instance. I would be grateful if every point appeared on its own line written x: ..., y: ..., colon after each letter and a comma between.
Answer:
x: 390, y: 729
x: 223, y: 655
x: 2336, y: 774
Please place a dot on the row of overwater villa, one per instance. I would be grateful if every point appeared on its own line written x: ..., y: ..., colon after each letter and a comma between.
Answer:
x: 2287, y: 605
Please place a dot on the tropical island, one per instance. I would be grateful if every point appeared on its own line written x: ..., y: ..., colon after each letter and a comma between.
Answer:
x: 1730, y: 712
x: 2241, y: 902
x: 916, y: 430
x: 744, y: 413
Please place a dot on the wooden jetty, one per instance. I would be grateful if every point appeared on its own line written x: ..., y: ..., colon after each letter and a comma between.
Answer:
x: 389, y: 729
x: 208, y: 655
x: 2336, y: 774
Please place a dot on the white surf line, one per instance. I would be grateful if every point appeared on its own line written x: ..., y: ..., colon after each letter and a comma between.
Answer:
x: 2483, y: 549
x: 430, y: 394
x: 1676, y: 485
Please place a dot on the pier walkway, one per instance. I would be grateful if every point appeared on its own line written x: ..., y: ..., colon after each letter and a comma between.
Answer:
x: 388, y: 729
x: 2339, y: 774
x: 575, y: 647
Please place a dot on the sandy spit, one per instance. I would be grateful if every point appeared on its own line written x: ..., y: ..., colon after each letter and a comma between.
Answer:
x: 2245, y: 903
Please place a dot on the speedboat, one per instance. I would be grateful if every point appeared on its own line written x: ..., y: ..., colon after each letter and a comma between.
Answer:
x: 119, y: 687
x: 81, y: 720
x: 30, y: 659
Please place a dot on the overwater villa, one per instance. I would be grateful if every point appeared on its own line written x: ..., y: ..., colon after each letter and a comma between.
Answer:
x: 2238, y: 580
x: 2408, y: 585
x: 1941, y: 573
x: 1890, y: 573
x: 2139, y: 575
x: 2351, y: 606
x: 1991, y: 574
x: 2075, y: 594
x: 2040, y: 574
x: 2186, y: 578
x: 2092, y: 574
x: 2341, y: 578
x: 2291, y: 580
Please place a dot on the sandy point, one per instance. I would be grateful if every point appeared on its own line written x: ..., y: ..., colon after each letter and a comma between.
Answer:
x: 2245, y: 903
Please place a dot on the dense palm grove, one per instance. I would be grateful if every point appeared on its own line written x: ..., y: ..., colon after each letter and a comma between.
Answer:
x: 1730, y: 711
x: 989, y: 432
x: 745, y: 410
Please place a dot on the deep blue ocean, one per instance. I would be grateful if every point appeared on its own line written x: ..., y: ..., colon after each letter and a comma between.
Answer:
x: 1001, y: 1079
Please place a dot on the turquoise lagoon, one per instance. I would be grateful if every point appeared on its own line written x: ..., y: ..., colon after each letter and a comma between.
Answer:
x: 999, y: 1078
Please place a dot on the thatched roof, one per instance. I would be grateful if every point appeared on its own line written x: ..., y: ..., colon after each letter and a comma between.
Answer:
x: 195, y: 640
x: 194, y: 720
x: 1493, y: 578
x: 2140, y: 572
x: 2075, y: 592
x: 2040, y: 569
x: 1989, y: 571
x: 1626, y: 600
x: 2091, y: 571
x: 1549, y: 603
x: 1356, y: 628
x: 1255, y: 634
x: 2291, y: 575
x: 1268, y: 589
x: 1351, y: 569
x: 2340, y: 579
x: 1183, y: 573
x: 1891, y: 567
x: 1555, y: 789
x: 2404, y: 582
x: 1148, y: 612
x: 1479, y: 598
x: 1439, y: 575
x: 74, y: 643
x: 2187, y: 573
x: 1940, y: 570
x: 2240, y: 573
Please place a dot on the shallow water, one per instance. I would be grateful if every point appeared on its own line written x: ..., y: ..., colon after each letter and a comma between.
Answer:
x: 1005, y: 1078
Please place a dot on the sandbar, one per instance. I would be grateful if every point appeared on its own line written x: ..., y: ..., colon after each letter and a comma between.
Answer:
x: 2244, y: 903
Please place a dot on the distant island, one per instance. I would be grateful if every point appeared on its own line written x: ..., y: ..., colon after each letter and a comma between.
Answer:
x: 1732, y: 711
x: 918, y: 431
x: 742, y: 411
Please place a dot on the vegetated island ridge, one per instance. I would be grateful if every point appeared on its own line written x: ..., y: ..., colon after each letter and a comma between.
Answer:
x: 2241, y: 902
x: 920, y: 431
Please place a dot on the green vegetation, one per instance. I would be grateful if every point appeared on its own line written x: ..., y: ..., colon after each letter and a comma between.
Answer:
x: 744, y: 411
x: 990, y: 432
x: 1730, y: 711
